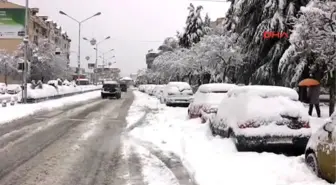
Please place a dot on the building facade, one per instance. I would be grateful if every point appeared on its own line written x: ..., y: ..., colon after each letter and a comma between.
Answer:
x: 39, y: 27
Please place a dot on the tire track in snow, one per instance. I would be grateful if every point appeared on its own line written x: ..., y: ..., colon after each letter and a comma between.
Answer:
x: 170, y: 161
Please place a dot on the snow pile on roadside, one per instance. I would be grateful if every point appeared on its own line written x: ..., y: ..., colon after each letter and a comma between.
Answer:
x: 49, y: 91
x: 22, y: 110
x: 10, y: 97
x: 212, y: 160
x: 141, y: 105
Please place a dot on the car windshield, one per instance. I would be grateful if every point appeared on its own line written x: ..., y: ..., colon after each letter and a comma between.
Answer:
x: 110, y: 86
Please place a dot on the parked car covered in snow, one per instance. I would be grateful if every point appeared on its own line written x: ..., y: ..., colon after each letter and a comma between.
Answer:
x: 263, y: 117
x: 207, y: 99
x: 158, y: 91
x: 3, y: 88
x: 13, y: 89
x: 320, y: 153
x: 177, y: 93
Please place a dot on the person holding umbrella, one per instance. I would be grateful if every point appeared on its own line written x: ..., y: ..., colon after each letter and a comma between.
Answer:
x: 314, y: 89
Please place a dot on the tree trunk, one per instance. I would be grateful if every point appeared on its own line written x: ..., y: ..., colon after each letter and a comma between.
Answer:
x: 6, y: 74
x: 331, y: 99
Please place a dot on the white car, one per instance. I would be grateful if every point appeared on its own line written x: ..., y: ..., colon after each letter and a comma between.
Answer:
x: 207, y: 99
x: 177, y: 93
x: 263, y: 117
x: 13, y: 89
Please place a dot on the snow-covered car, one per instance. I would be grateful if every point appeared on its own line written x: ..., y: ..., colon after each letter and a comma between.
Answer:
x: 13, y: 89
x: 3, y: 88
x: 320, y: 155
x: 158, y: 91
x: 263, y: 117
x: 142, y: 88
x: 177, y: 93
x: 207, y: 99
x: 150, y: 90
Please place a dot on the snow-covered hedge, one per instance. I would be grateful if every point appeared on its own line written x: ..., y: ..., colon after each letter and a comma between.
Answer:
x: 49, y: 91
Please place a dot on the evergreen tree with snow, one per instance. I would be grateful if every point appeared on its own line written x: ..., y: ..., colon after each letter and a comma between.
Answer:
x: 313, y: 47
x: 207, y: 20
x: 195, y: 28
x: 250, y: 19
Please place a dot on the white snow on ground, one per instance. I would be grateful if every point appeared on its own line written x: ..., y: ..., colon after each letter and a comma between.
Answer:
x: 139, y: 108
x: 213, y: 160
x: 154, y: 171
x: 22, y: 110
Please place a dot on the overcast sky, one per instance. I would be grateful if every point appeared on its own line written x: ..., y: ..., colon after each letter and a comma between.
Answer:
x: 135, y: 26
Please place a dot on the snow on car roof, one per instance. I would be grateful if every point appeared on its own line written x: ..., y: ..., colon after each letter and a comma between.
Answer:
x: 126, y: 78
x: 82, y: 79
x: 185, y: 84
x: 110, y: 82
x: 213, y: 87
x: 265, y: 91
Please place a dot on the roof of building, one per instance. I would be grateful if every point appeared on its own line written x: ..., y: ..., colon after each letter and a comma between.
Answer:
x: 10, y: 5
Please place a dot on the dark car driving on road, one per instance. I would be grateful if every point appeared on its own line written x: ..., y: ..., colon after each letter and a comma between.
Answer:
x: 111, y: 89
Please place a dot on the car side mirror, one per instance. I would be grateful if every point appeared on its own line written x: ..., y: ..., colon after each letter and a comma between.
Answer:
x: 329, y: 127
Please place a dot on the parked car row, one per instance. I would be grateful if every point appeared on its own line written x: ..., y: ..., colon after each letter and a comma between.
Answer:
x: 258, y: 118
x: 9, y: 89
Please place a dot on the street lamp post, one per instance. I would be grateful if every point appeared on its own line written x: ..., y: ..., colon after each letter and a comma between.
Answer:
x: 96, y: 48
x: 107, y: 59
x: 103, y: 56
x: 25, y: 64
x: 79, y: 34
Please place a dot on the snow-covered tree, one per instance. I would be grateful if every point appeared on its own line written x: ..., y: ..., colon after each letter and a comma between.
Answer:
x: 250, y: 19
x: 313, y: 48
x: 9, y: 66
x: 195, y: 28
x: 207, y: 20
x: 45, y: 64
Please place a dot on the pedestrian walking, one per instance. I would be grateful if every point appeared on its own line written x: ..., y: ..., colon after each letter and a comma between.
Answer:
x: 314, y: 99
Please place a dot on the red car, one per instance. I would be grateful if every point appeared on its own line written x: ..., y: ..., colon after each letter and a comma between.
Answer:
x: 207, y: 98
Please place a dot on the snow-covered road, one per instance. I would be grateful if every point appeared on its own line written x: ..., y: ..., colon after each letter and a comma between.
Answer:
x: 212, y: 160
x: 83, y: 143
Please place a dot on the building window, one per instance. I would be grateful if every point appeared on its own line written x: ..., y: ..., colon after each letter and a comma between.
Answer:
x: 36, y: 40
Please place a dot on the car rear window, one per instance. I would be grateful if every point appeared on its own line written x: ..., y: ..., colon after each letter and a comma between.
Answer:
x: 110, y: 85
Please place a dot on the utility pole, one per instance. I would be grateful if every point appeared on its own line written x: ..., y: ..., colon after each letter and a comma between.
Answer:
x: 96, y: 66
x: 79, y: 36
x: 26, y: 42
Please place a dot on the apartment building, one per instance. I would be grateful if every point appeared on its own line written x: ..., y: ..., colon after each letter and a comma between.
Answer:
x: 12, y: 19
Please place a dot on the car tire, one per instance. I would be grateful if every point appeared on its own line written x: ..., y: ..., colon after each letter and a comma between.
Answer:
x: 212, y: 128
x: 103, y: 96
x: 312, y: 163
x: 234, y: 139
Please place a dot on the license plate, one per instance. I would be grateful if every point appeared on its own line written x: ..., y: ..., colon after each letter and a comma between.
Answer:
x: 280, y: 141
